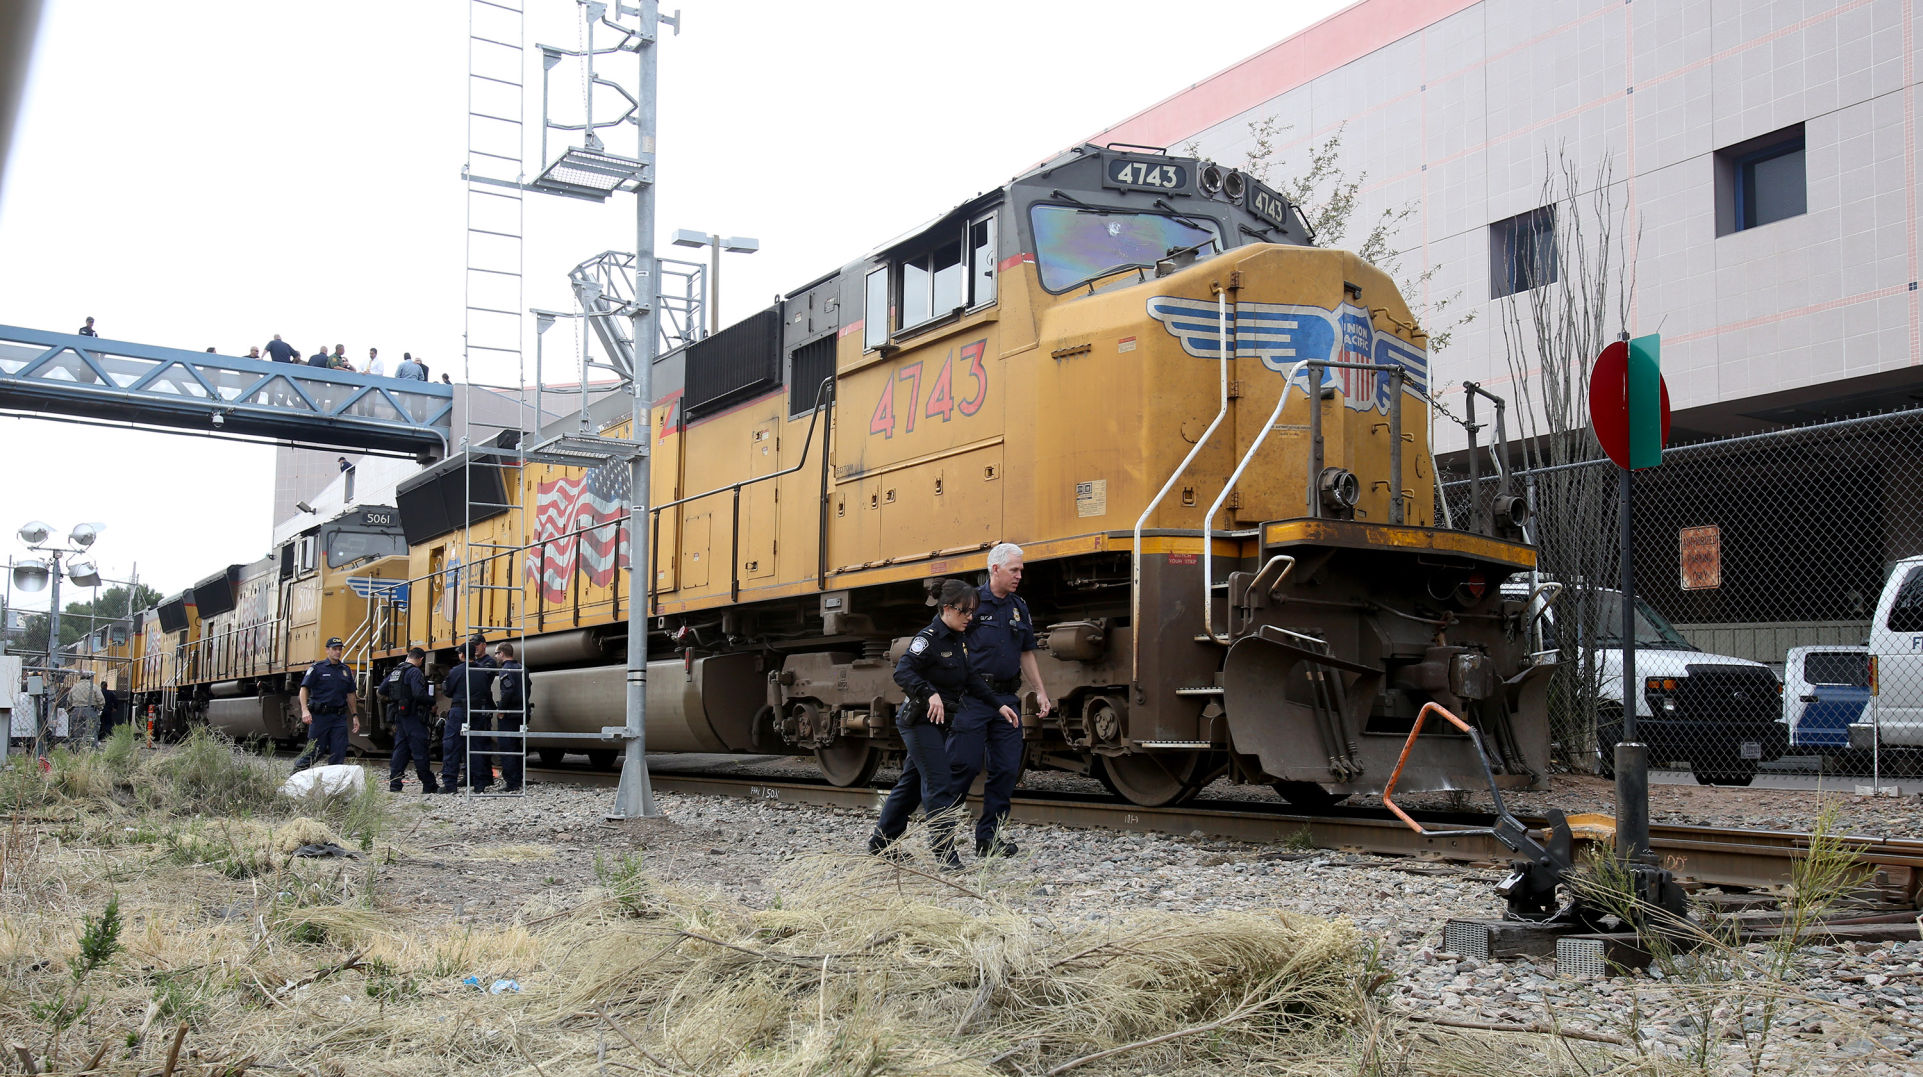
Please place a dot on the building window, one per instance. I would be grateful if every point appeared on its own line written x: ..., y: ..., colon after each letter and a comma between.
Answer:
x: 1761, y: 181
x: 1522, y: 252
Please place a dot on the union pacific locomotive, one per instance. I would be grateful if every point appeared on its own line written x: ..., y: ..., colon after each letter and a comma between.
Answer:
x: 1208, y: 435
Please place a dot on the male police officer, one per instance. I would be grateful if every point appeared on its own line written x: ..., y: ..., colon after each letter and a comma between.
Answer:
x: 327, y: 703
x: 467, y: 692
x: 1001, y: 646
x: 511, y: 689
x: 406, y: 691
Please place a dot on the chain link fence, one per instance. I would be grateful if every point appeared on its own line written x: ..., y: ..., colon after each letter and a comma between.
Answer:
x: 1779, y: 589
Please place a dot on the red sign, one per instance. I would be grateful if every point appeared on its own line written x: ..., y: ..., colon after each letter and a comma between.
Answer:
x: 1609, y: 403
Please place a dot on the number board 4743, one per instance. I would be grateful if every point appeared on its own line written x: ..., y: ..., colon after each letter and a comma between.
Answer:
x: 1138, y: 174
x: 958, y: 387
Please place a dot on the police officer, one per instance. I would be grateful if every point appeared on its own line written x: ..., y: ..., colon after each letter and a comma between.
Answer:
x: 467, y: 688
x: 411, y: 699
x: 1001, y: 648
x: 934, y: 671
x: 327, y: 706
x: 510, y: 689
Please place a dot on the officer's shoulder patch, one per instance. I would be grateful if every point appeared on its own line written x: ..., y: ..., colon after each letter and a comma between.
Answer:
x: 920, y: 645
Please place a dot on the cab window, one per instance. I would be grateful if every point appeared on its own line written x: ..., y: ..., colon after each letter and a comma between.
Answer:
x: 951, y: 270
x: 1074, y: 244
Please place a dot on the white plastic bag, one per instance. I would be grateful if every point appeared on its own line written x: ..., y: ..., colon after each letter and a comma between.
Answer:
x: 346, y: 778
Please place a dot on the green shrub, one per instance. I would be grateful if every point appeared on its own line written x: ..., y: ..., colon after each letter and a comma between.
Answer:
x: 207, y: 773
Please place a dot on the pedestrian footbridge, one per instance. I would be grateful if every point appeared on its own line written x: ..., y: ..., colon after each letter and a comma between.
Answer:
x: 59, y: 374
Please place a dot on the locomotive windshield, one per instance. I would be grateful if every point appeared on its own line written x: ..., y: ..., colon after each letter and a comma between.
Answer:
x: 1074, y: 245
x: 346, y: 547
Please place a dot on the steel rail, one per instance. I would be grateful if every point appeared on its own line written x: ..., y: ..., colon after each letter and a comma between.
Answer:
x: 1713, y: 856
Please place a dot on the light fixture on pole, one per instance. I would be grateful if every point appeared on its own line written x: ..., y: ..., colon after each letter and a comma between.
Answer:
x: 34, y: 574
x: 687, y: 237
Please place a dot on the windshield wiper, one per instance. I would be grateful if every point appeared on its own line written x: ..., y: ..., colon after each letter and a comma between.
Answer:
x: 1072, y: 200
x: 1110, y: 271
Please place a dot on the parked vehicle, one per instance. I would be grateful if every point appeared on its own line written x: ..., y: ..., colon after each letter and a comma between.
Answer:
x: 1825, y: 691
x: 1718, y: 716
x: 1895, y: 714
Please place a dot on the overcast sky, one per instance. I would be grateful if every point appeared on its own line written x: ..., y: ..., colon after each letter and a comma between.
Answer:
x: 215, y: 173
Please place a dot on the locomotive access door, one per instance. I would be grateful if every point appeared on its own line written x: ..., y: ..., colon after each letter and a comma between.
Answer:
x: 760, y: 504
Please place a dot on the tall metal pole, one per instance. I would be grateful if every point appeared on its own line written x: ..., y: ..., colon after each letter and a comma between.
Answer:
x: 634, y: 798
x: 714, y: 285
x: 45, y: 711
x: 1632, y: 756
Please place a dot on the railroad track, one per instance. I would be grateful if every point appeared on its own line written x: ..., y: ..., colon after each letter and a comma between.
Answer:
x: 1713, y: 856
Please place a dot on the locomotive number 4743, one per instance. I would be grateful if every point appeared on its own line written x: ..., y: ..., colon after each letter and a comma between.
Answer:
x: 942, y: 403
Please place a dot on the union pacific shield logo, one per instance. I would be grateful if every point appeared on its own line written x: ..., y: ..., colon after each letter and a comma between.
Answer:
x: 1282, y: 334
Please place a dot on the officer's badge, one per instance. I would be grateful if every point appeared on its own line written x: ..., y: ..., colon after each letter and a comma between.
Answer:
x: 948, y: 654
x: 1015, y: 614
x: 920, y: 645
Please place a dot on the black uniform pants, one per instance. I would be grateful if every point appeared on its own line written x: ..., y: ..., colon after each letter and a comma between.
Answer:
x: 410, y: 744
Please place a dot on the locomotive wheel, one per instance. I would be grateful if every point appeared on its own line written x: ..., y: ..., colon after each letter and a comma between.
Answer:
x: 550, y: 757
x: 1308, y: 795
x: 1153, y: 781
x: 603, y: 758
x: 848, y: 761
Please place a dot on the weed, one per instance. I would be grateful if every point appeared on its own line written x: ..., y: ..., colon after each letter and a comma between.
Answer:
x: 178, y: 998
x: 99, y: 942
x: 208, y: 774
x: 626, y: 883
x: 1301, y: 841
x: 120, y: 752
x: 386, y: 984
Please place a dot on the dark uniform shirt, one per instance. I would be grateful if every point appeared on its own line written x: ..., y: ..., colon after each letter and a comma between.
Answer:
x: 280, y: 351
x: 937, y: 663
x: 510, y: 686
x: 470, y: 681
x: 329, y: 684
x: 1001, y: 631
x: 319, y: 359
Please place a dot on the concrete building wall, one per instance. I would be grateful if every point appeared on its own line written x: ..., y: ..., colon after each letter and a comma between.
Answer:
x: 1460, y: 109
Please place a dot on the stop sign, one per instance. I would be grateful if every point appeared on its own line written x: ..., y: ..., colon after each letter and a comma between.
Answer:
x: 1609, y: 410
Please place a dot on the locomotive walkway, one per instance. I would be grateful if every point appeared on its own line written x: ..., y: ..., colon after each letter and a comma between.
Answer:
x: 44, y: 374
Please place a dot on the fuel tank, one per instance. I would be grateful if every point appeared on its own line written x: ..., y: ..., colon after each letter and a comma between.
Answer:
x: 255, y: 716
x: 708, y: 707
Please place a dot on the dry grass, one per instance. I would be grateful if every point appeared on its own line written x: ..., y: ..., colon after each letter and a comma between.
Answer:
x: 856, y: 967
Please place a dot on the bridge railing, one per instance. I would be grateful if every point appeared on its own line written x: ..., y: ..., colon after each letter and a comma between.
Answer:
x: 64, y: 374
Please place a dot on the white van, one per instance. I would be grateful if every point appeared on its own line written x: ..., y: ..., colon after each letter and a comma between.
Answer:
x: 1895, y: 713
x: 1715, y: 715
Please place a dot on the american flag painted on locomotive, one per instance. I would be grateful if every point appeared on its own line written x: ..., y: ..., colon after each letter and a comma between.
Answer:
x: 1282, y: 334
x: 576, y: 502
x: 393, y: 591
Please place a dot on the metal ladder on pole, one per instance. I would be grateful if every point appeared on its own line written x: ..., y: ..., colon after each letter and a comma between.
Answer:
x: 490, y: 598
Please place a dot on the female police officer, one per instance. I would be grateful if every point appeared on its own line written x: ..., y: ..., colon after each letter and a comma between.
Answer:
x: 934, y: 672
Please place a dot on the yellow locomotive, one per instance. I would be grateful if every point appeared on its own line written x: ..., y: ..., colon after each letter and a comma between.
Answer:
x: 1235, y: 560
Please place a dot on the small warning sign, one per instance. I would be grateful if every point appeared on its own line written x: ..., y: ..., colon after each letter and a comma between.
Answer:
x: 1700, y: 553
x: 1091, y: 498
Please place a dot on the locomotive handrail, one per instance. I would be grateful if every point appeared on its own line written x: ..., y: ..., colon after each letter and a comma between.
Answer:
x: 1315, y: 426
x: 1223, y: 353
x: 823, y: 395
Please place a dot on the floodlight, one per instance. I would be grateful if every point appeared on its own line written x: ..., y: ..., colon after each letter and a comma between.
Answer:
x: 83, y: 535
x: 83, y: 573
x: 688, y: 237
x: 740, y: 245
x: 30, y: 575
x: 34, y: 533
x: 305, y: 507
